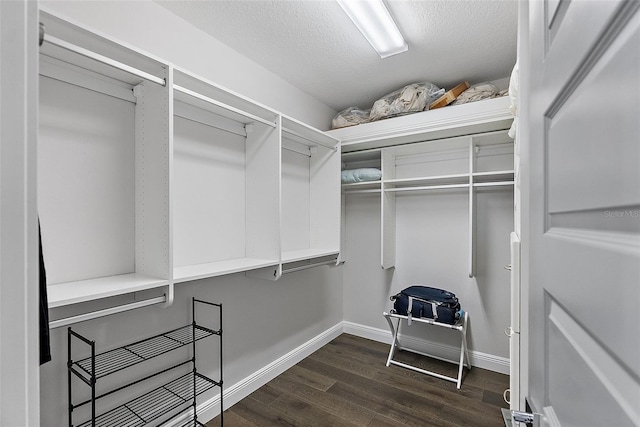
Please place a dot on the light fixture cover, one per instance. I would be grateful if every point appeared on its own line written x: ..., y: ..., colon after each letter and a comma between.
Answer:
x: 374, y: 22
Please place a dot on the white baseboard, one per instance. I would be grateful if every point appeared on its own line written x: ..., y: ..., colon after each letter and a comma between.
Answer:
x: 211, y: 408
x: 368, y: 332
x: 238, y: 391
x: 446, y: 352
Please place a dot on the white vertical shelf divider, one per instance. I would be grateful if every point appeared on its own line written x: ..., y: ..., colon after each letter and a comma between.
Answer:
x: 263, y: 184
x: 153, y: 159
x: 472, y: 211
x: 311, y: 175
x: 475, y: 134
x: 388, y: 212
x: 263, y: 188
x: 324, y: 188
x: 343, y: 229
x: 123, y: 176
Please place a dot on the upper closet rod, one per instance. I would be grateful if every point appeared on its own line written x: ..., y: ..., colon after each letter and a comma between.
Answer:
x: 330, y: 147
x: 105, y: 60
x: 202, y: 122
x: 223, y: 105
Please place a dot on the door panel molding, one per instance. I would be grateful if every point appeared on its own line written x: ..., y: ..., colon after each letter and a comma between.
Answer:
x: 565, y: 332
x: 578, y: 124
x: 598, y: 23
x: 555, y: 11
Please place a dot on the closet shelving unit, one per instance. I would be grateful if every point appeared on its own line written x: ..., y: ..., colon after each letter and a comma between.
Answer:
x: 310, y: 180
x: 176, y: 394
x: 103, y: 167
x: 309, y: 195
x: 462, y: 149
x: 226, y: 181
x: 362, y: 159
x: 272, y: 200
x: 150, y: 175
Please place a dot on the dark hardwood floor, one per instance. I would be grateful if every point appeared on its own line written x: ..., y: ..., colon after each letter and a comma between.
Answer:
x: 346, y: 383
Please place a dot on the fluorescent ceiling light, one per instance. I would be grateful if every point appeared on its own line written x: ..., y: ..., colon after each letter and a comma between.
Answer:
x: 374, y: 22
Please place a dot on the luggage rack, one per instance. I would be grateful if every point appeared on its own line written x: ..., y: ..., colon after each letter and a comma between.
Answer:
x: 460, y: 326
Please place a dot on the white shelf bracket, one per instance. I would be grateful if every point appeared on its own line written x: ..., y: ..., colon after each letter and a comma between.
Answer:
x: 138, y: 90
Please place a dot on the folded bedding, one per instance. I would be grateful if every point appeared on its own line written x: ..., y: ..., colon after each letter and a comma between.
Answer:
x: 351, y: 176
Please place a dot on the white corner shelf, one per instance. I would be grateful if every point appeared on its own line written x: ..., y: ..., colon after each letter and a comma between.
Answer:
x: 455, y: 120
x: 462, y: 149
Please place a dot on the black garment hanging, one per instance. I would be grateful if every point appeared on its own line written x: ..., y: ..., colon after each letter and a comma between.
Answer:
x: 45, y: 348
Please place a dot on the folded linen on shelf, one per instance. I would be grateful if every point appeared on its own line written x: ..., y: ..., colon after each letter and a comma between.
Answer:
x: 351, y: 176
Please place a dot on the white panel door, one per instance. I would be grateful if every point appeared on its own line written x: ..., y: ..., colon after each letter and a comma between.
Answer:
x: 583, y: 101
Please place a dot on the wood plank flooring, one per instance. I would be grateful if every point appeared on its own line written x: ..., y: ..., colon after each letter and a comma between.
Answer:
x: 346, y: 383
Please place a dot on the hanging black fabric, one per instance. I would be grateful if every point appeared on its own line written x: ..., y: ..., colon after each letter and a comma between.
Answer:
x: 45, y: 347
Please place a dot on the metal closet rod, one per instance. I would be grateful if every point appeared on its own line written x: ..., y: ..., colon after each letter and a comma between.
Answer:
x: 223, y: 105
x: 313, y: 141
x: 105, y: 312
x: 103, y: 59
x: 298, y: 151
x: 202, y: 122
x: 307, y: 266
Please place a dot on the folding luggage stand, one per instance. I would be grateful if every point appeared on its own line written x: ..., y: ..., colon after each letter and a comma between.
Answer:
x: 460, y: 325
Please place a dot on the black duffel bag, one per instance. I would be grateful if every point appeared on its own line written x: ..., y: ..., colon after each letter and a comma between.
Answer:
x: 426, y: 302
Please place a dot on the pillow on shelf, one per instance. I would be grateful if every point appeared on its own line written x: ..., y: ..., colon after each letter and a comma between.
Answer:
x: 352, y: 176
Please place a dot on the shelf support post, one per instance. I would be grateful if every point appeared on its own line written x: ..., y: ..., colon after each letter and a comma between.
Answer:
x: 221, y: 377
x: 472, y: 210
x: 193, y: 360
x: 93, y: 383
x: 69, y: 362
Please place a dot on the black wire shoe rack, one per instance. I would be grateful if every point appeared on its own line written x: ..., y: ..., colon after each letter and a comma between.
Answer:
x: 166, y: 402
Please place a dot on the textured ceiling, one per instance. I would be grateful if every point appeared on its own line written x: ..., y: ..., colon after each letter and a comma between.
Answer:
x: 313, y: 45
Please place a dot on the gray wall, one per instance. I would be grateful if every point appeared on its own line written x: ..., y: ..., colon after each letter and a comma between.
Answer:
x: 431, y: 249
x: 263, y: 321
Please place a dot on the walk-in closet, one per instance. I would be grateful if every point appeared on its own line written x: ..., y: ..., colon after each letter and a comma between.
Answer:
x: 254, y: 213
